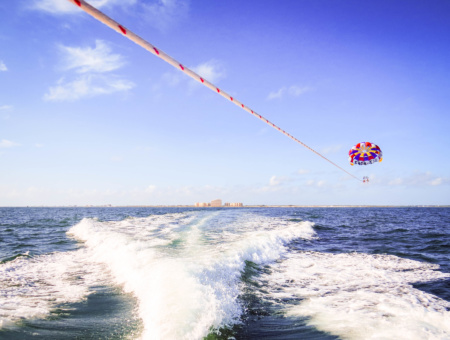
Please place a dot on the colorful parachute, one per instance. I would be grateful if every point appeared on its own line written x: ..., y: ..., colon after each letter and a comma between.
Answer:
x: 365, y: 153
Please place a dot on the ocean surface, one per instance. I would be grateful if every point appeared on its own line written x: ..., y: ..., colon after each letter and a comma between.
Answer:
x: 225, y: 273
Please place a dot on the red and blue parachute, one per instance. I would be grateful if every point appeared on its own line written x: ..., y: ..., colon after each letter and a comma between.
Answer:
x: 365, y: 153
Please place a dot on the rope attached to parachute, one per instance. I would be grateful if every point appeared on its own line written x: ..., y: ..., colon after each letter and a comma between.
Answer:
x: 156, y: 51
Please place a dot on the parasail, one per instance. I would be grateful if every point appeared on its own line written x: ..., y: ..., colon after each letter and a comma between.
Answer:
x: 365, y: 153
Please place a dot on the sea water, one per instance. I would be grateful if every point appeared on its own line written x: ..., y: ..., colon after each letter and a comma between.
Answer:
x: 225, y: 273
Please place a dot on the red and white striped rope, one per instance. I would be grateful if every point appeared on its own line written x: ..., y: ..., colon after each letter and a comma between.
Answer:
x: 156, y: 51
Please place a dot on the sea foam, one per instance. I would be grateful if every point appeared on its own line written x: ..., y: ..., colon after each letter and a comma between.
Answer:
x: 31, y: 288
x: 185, y: 269
x: 362, y: 296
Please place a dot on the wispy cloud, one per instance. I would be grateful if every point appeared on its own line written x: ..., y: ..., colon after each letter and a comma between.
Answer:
x: 274, y: 181
x: 65, y: 7
x: 161, y: 14
x: 439, y: 181
x: 316, y: 183
x: 276, y: 184
x: 279, y: 180
x: 6, y: 107
x: 54, y: 6
x: 164, y: 14
x: 3, y: 67
x: 212, y: 70
x: 419, y: 179
x: 150, y: 189
x: 99, y: 59
x: 276, y: 94
x: 292, y: 91
x: 86, y: 86
x: 92, y: 67
x: 4, y: 144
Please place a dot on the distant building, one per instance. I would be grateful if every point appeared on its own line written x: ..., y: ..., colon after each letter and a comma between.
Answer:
x: 233, y: 205
x: 216, y: 203
x: 198, y: 204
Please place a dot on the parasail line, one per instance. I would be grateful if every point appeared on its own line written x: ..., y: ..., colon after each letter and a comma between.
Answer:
x: 157, y: 52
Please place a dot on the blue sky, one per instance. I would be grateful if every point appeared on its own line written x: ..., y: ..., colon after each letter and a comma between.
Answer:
x: 88, y: 117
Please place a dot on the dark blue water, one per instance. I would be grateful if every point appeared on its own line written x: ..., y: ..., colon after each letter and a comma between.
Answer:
x: 60, y: 280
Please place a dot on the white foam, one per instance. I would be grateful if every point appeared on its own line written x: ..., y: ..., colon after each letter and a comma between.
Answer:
x: 31, y: 287
x: 185, y: 269
x: 360, y: 296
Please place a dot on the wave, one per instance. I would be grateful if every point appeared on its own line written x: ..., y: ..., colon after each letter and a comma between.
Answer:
x: 356, y: 296
x: 185, y: 269
x: 32, y: 287
x: 12, y: 258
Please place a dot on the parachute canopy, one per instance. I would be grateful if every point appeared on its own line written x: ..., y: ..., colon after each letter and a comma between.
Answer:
x: 365, y: 153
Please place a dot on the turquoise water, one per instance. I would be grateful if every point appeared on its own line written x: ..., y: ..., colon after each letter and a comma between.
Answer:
x: 247, y: 273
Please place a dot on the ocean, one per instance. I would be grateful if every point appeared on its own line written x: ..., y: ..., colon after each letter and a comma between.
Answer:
x: 225, y: 273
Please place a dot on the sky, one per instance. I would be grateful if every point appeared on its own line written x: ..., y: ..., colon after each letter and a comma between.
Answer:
x: 87, y: 117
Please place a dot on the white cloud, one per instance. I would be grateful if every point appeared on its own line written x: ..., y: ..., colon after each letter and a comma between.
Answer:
x: 296, y: 91
x: 6, y: 107
x: 163, y: 14
x: 278, y: 180
x: 212, y: 70
x: 54, y: 6
x: 302, y: 172
x: 87, y: 59
x: 150, y: 194
x: 87, y: 86
x: 274, y: 181
x: 93, y: 66
x: 293, y: 91
x: 277, y: 94
x: 3, y: 66
x: 4, y: 143
x: 418, y: 179
x: 314, y: 183
x: 437, y: 181
x: 150, y: 189
x: 65, y: 7
x: 321, y: 183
